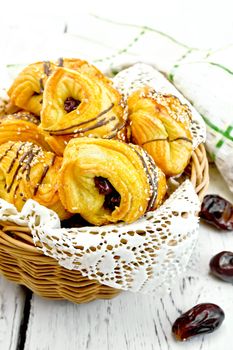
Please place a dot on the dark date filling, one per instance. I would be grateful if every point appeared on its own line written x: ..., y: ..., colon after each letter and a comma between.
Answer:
x: 36, y: 93
x: 71, y: 104
x: 112, y: 197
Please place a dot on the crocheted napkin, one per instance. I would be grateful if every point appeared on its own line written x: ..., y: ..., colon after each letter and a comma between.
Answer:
x: 145, y: 256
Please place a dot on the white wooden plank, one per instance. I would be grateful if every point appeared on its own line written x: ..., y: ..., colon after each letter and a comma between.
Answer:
x: 12, y: 298
x: 134, y: 321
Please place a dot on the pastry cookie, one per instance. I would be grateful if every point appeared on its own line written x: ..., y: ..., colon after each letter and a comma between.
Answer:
x: 161, y: 125
x: 109, y: 181
x: 26, y: 171
x: 77, y: 105
x: 27, y: 89
x: 22, y: 126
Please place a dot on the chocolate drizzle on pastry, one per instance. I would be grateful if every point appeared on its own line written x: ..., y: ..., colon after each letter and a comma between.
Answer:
x: 151, y: 172
x: 24, y: 171
x: 100, y: 123
x: 6, y: 152
x: 153, y: 181
x: 41, y: 86
x: 118, y: 128
x: 60, y: 62
x: 181, y: 138
x: 53, y: 160
x: 155, y: 140
x: 28, y: 152
x: 27, y: 166
x: 57, y: 132
x: 21, y: 162
x: 47, y: 68
x: 14, y: 159
x: 167, y: 139
x: 44, y: 173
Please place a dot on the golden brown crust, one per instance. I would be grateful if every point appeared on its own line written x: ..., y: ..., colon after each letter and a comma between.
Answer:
x: 6, y: 107
x: 127, y: 168
x: 82, y: 116
x: 26, y: 171
x: 162, y: 189
x: 22, y: 126
x: 83, y: 67
x: 27, y: 89
x: 76, y: 105
x: 160, y: 124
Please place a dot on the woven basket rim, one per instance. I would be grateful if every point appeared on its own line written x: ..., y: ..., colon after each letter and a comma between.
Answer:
x: 23, y: 263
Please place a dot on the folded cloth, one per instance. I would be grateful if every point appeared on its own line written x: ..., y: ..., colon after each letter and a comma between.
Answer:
x: 209, y: 88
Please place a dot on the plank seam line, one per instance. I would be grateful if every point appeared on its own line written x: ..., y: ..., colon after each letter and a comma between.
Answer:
x: 25, y: 320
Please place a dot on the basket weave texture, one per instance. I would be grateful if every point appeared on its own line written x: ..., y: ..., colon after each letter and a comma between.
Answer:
x: 23, y: 263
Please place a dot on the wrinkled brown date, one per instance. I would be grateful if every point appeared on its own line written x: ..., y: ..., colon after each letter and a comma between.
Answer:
x: 217, y: 211
x: 201, y: 319
x: 221, y: 265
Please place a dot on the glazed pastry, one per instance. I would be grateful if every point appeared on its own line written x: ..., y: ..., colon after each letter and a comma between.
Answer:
x: 26, y: 91
x: 76, y: 105
x: 26, y: 171
x: 83, y: 67
x: 6, y: 107
x: 22, y: 126
x: 160, y: 124
x: 109, y: 181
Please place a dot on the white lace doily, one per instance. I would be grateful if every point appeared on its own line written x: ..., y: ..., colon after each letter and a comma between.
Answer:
x: 144, y: 256
x: 141, y: 74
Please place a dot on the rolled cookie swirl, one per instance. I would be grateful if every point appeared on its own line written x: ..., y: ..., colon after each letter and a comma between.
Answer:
x: 109, y: 181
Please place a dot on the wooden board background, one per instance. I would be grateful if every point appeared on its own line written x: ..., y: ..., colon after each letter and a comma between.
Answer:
x: 130, y: 321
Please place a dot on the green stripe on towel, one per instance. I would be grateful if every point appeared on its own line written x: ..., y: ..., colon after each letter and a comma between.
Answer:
x: 225, y: 133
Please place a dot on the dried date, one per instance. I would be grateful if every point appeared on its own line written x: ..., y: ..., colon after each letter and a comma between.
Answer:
x: 221, y: 265
x: 217, y: 211
x: 201, y: 319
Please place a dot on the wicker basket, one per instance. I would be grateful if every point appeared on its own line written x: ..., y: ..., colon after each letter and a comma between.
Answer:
x: 23, y: 263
